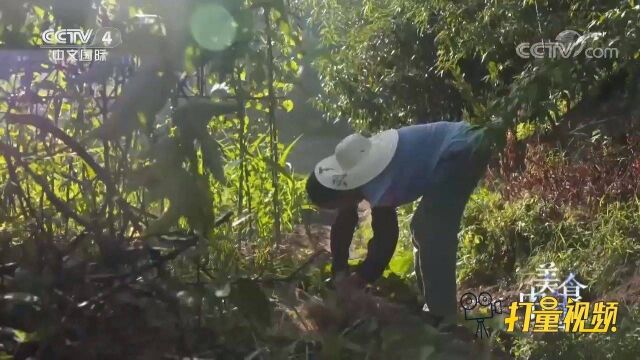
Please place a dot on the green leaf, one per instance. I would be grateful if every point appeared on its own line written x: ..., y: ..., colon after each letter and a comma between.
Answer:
x: 287, y: 150
x: 39, y: 12
x: 285, y: 28
x: 21, y: 336
x: 294, y: 66
x: 287, y: 105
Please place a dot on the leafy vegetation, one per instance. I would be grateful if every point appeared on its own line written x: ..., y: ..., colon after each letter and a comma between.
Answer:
x: 394, y: 61
x: 148, y: 211
x: 141, y: 195
x: 511, y: 230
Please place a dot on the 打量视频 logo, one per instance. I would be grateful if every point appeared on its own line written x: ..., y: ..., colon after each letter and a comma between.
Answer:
x: 552, y: 305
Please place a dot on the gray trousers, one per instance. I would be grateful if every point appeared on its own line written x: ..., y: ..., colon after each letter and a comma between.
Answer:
x: 435, y: 226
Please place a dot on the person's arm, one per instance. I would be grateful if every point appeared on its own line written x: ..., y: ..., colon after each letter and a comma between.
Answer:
x: 381, y: 247
x: 341, y: 237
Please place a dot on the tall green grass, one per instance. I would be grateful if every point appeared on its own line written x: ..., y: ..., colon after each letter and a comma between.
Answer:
x: 504, y: 241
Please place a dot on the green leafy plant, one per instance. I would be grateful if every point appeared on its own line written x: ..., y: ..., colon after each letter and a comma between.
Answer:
x: 128, y: 185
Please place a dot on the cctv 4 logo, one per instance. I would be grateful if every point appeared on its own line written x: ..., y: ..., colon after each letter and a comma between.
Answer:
x: 104, y: 37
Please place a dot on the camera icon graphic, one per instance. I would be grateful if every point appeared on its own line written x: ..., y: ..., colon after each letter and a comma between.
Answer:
x: 480, y: 308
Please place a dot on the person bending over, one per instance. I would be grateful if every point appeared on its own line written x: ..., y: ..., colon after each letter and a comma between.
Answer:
x: 441, y: 163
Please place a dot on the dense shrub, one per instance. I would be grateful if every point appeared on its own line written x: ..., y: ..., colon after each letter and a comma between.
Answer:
x: 599, y: 172
x: 497, y: 235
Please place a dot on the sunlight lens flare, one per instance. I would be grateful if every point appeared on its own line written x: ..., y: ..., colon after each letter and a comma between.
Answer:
x: 213, y: 27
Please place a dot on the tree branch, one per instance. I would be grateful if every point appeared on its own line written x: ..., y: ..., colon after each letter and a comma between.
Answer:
x: 42, y: 182
x: 46, y: 125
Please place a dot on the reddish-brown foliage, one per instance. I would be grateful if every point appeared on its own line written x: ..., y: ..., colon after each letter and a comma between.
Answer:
x: 584, y: 177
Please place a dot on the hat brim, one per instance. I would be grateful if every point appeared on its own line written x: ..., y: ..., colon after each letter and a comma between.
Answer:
x: 383, y: 146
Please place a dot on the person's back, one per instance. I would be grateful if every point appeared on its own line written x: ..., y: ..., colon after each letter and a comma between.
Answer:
x: 412, y: 170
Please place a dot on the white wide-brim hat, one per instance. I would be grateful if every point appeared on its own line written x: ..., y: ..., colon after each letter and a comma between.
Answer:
x: 357, y: 160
